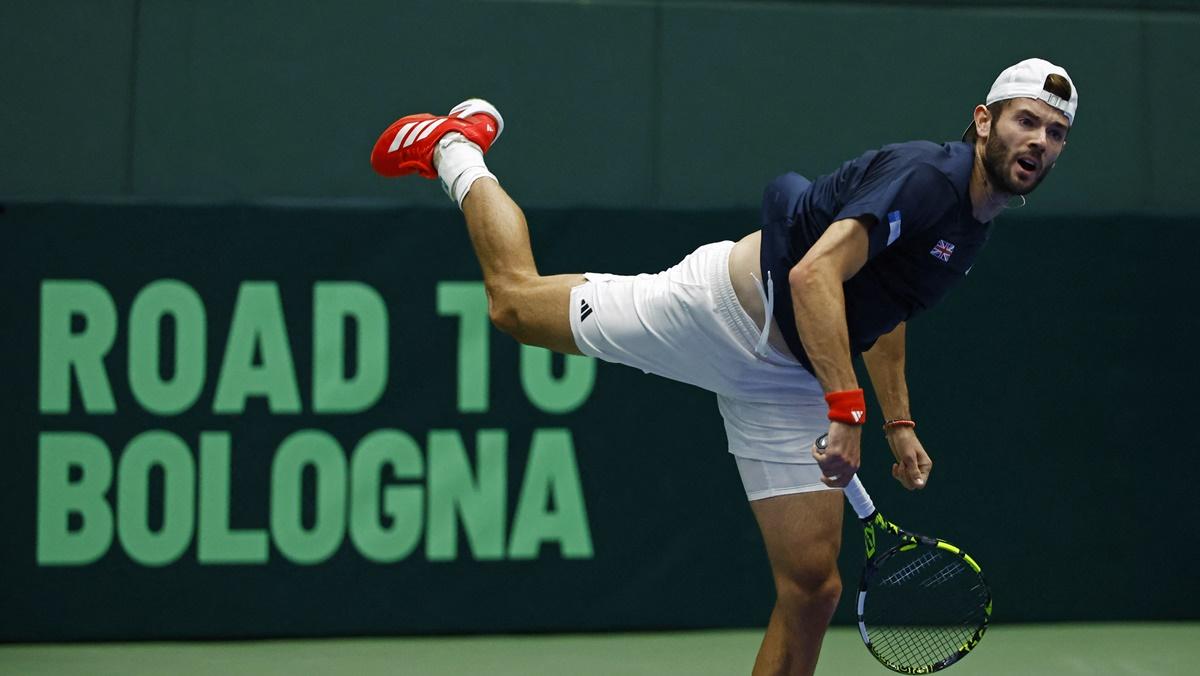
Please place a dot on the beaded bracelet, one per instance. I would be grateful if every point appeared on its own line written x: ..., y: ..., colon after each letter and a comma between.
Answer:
x: 898, y: 422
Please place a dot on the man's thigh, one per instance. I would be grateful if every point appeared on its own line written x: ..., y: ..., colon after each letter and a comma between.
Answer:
x: 802, y: 532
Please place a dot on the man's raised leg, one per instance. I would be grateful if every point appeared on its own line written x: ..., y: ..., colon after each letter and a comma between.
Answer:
x: 532, y: 308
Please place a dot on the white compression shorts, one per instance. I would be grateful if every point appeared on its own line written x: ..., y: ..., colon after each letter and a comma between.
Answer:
x: 686, y: 324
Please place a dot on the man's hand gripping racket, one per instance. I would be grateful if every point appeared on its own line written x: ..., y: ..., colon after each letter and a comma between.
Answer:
x: 923, y: 603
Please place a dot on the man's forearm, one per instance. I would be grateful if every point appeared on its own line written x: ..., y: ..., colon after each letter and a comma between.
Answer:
x: 885, y: 364
x: 819, y: 306
x: 819, y: 303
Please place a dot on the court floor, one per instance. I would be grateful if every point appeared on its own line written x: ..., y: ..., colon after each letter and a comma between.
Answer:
x: 1147, y: 649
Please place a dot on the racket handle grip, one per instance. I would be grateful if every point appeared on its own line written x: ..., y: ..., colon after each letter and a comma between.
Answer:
x: 859, y: 499
x: 855, y: 493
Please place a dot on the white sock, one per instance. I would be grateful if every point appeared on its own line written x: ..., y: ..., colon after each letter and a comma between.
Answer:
x: 459, y: 163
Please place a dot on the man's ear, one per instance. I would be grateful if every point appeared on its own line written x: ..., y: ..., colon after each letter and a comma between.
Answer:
x: 983, y: 121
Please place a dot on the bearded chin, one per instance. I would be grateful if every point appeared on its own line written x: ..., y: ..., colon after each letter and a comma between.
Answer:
x: 996, y: 163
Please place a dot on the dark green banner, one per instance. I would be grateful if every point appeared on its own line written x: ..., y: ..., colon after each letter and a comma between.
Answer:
x: 226, y: 422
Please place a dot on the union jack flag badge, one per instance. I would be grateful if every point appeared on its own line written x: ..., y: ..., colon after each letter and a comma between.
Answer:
x: 943, y: 250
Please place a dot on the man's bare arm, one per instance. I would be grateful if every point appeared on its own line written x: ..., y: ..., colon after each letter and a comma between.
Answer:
x: 820, y: 306
x: 885, y: 364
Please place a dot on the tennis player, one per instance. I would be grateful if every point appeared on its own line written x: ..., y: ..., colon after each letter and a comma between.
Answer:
x: 771, y: 323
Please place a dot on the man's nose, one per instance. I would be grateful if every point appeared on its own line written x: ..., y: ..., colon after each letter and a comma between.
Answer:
x: 1039, y: 139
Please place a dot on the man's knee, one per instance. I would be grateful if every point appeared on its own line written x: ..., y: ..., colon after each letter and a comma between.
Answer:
x: 532, y: 309
x: 505, y: 308
x: 813, y: 588
x: 505, y: 317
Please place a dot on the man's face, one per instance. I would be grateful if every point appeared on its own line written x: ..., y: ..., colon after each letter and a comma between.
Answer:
x: 1024, y: 142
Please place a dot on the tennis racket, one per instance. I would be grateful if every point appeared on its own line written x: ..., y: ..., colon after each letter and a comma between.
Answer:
x: 922, y: 604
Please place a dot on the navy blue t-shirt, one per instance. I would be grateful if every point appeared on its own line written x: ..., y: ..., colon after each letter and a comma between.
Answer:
x: 923, y: 237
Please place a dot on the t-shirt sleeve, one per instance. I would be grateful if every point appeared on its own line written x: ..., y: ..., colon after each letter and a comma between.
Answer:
x: 908, y: 203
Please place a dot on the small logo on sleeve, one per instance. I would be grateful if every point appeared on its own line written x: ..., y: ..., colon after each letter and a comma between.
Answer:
x: 585, y: 310
x: 893, y: 226
x: 942, y: 251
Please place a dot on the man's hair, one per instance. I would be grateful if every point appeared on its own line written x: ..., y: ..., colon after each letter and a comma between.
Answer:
x: 1059, y: 86
x: 1055, y: 84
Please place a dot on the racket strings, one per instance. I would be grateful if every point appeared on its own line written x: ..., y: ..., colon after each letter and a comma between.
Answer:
x: 926, y: 646
x: 909, y: 648
x: 909, y: 570
x: 922, y: 607
x: 908, y: 645
x: 944, y: 575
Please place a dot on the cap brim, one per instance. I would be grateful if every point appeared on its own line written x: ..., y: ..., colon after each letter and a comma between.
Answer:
x: 969, y: 134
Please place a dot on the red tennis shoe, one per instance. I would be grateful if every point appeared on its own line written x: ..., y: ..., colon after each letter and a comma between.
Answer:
x: 407, y: 146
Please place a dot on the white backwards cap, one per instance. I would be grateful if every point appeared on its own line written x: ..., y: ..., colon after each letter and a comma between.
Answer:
x: 1027, y: 79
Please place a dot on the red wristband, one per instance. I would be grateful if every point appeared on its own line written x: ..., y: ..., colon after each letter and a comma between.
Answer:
x: 848, y: 407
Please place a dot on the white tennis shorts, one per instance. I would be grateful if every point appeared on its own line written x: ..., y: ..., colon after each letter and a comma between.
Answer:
x: 686, y: 324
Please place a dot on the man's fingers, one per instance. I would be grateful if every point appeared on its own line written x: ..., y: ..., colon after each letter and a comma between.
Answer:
x: 913, y: 473
x: 837, y: 478
x: 836, y: 469
x: 909, y: 476
x: 917, y: 477
x: 835, y: 481
x: 835, y: 465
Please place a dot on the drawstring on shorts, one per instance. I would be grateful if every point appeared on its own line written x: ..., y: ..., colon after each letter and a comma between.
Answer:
x: 768, y: 301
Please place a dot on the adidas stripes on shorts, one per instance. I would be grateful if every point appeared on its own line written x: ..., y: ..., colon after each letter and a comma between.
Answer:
x: 686, y: 324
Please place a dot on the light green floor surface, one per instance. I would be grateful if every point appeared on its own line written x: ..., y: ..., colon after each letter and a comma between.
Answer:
x: 1036, y: 650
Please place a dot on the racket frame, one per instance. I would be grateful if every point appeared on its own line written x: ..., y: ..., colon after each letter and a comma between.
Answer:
x: 871, y: 519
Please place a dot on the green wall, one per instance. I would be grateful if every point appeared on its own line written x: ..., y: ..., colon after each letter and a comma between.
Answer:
x: 1053, y: 391
x: 610, y: 104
